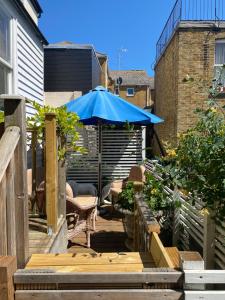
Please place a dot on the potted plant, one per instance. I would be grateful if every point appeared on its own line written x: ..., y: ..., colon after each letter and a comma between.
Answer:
x: 125, y: 205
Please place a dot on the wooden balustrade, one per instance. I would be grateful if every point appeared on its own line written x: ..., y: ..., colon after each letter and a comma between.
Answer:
x: 13, y: 181
x: 144, y: 225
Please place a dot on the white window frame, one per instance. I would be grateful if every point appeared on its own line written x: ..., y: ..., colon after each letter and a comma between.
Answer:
x: 219, y: 41
x: 3, y: 62
x: 130, y: 95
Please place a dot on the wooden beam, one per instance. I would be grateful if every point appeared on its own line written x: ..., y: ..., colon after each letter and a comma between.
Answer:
x: 15, y: 115
x: 34, y: 163
x: 11, y: 208
x: 209, y: 240
x: 62, y: 182
x: 99, y: 294
x: 7, y: 269
x: 46, y: 276
x: 3, y: 219
x: 8, y: 144
x: 159, y: 253
x: 51, y: 172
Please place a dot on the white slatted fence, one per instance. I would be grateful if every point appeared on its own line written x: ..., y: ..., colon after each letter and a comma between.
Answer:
x: 189, y: 226
x: 121, y: 149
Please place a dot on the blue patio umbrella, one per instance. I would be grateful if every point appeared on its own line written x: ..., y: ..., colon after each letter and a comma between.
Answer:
x: 99, y: 106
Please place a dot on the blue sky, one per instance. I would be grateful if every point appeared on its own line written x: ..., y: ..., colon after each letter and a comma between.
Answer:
x: 109, y: 25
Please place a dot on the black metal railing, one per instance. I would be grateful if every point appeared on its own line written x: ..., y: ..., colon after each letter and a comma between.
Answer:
x: 189, y: 10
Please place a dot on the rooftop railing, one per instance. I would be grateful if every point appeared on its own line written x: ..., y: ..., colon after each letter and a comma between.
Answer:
x: 189, y: 10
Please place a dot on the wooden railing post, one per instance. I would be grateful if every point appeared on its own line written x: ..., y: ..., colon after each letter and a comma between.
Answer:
x: 209, y: 241
x: 62, y: 182
x: 51, y: 172
x: 191, y: 261
x: 34, y: 163
x: 15, y: 115
x: 7, y: 269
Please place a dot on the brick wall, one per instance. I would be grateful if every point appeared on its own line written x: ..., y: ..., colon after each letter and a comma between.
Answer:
x: 139, y: 98
x: 142, y: 95
x: 166, y: 91
x: 190, y: 52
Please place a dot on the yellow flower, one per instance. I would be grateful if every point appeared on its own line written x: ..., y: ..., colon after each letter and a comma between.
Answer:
x: 153, y: 191
x: 213, y: 109
x: 171, y: 153
x: 184, y: 192
x: 204, y: 212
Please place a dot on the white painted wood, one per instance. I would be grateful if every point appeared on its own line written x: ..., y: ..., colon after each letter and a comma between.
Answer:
x: 143, y: 143
x: 121, y: 150
x: 204, y: 295
x: 27, y: 76
x: 205, y: 276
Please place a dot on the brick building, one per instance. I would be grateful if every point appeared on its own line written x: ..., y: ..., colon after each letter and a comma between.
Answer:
x: 191, y: 48
x: 136, y: 87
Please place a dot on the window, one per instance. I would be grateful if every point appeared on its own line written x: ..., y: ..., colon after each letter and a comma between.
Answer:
x: 130, y: 92
x: 117, y: 91
x: 5, y: 57
x: 219, y: 73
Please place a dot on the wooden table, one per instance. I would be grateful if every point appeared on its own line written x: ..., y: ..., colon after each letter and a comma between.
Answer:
x: 89, y: 262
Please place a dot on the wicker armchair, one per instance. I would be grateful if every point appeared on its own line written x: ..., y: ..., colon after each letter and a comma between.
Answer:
x: 81, y: 213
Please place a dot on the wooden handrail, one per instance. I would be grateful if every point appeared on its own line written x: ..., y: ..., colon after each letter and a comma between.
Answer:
x: 8, y: 145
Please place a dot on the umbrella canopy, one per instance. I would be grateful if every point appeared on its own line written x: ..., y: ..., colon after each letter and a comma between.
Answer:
x: 101, y: 105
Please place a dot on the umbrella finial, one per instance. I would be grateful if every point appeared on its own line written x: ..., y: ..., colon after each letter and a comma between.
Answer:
x: 100, y: 88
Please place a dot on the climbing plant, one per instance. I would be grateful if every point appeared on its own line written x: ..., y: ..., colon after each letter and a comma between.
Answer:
x: 67, y: 124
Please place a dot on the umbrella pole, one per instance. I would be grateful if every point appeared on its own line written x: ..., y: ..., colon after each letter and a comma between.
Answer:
x: 99, y: 162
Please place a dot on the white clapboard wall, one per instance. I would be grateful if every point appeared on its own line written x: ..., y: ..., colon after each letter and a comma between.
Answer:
x: 121, y: 149
x: 188, y: 227
x: 30, y: 68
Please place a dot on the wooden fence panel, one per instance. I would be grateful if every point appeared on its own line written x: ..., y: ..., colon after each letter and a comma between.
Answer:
x: 192, y: 228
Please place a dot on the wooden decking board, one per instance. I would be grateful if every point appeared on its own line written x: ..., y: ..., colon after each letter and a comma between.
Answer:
x: 88, y: 262
x: 108, y: 237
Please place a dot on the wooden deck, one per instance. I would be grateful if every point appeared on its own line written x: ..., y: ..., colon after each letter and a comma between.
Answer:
x: 92, y: 262
x: 39, y: 240
x: 108, y: 237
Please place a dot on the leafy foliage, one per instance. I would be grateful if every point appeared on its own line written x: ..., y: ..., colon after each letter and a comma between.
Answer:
x: 197, y: 164
x: 2, y: 116
x: 126, y: 197
x: 67, y: 124
x: 155, y: 195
